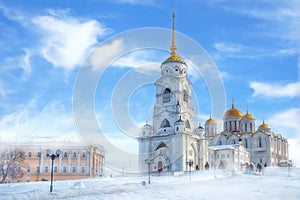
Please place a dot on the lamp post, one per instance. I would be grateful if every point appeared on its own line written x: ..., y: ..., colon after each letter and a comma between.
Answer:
x: 289, y: 167
x: 190, y: 164
x: 52, y: 157
x: 149, y: 161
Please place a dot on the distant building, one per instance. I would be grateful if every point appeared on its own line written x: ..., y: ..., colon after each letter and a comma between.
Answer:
x: 75, y: 161
x: 228, y: 157
x: 172, y: 140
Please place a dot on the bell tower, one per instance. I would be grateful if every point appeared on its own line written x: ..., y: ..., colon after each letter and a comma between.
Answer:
x: 173, y: 141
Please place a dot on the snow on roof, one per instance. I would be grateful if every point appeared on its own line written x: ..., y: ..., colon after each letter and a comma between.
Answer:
x: 224, y: 147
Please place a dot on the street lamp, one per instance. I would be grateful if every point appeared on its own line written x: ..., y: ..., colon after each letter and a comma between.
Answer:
x: 52, y: 157
x: 149, y: 162
x: 190, y: 164
x: 289, y: 167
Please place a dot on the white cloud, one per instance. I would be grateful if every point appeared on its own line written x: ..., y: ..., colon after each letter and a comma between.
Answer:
x: 66, y: 41
x: 31, y: 121
x: 25, y: 62
x: 275, y: 90
x: 228, y: 47
x: 274, y: 19
x: 294, y: 150
x: 113, y: 54
x: 137, y: 59
x: 287, y: 119
x: 3, y: 89
x: 104, y: 54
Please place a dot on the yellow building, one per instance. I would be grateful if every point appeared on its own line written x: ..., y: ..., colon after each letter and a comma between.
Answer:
x: 76, y: 161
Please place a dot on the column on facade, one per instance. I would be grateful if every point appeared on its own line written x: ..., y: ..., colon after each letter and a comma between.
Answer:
x: 95, y: 163
x: 41, y: 162
x: 78, y: 162
x: 87, y: 164
x: 59, y: 168
x: 69, y: 162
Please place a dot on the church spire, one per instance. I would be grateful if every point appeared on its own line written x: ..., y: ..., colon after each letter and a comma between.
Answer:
x: 173, y: 47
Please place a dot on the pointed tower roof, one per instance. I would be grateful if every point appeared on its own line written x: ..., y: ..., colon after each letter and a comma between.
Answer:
x: 173, y: 54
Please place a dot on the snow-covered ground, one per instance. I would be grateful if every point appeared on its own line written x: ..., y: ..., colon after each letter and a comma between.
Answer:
x: 273, y: 184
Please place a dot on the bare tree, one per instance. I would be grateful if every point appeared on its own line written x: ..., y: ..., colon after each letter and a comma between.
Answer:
x: 11, y: 165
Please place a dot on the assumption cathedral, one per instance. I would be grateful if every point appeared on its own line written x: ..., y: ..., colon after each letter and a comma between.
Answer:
x: 173, y: 143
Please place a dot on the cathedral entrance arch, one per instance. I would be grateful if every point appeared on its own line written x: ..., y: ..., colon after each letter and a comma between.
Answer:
x: 161, y: 158
x: 222, y: 165
x: 206, y: 166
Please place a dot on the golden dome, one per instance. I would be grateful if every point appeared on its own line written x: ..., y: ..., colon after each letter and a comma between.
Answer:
x: 233, y: 112
x: 174, y: 57
x: 263, y: 126
x: 210, y: 121
x: 248, y: 116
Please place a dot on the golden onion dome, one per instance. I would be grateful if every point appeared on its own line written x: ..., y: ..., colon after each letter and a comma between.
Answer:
x: 233, y: 112
x: 247, y: 116
x: 263, y: 126
x: 174, y: 57
x: 210, y: 121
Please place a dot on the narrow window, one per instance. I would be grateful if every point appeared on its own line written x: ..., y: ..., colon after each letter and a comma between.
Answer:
x: 185, y: 96
x: 187, y: 124
x: 259, y: 142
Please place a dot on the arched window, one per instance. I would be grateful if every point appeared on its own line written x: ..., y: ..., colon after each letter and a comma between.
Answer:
x: 161, y: 145
x: 246, y: 143
x: 187, y: 124
x: 185, y: 96
x: 165, y: 123
x: 259, y: 142
x: 245, y: 127
x: 166, y: 95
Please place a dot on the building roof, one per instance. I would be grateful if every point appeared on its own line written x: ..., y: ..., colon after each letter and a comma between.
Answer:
x: 247, y: 116
x: 224, y: 147
x: 233, y: 112
x: 263, y: 126
x: 210, y: 121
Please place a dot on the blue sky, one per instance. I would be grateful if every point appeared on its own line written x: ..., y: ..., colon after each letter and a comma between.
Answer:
x: 254, y: 44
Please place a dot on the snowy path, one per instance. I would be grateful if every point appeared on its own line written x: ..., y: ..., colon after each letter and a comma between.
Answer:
x: 202, y: 186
